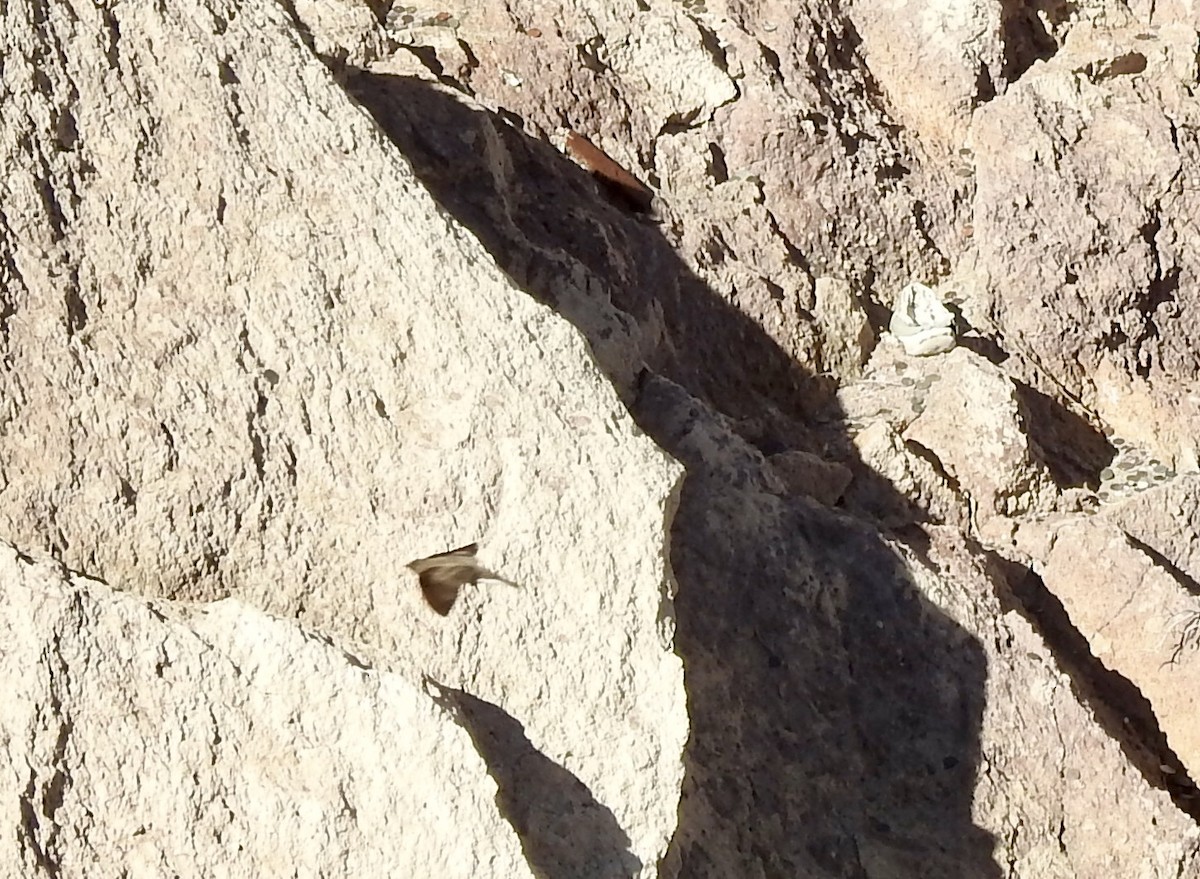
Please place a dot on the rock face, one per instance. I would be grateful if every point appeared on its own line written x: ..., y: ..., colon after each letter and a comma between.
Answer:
x: 155, y: 739
x: 293, y: 294
x: 249, y: 357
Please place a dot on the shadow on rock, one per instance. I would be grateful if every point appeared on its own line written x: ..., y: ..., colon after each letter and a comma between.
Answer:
x: 835, y: 713
x: 1117, y: 704
x: 564, y: 832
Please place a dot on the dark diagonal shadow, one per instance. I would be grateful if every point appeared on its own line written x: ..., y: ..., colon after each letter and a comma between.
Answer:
x: 834, y: 712
x: 564, y: 832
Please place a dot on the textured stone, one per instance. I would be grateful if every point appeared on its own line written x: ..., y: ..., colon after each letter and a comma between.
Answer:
x: 1134, y: 613
x: 249, y: 356
x: 972, y: 423
x: 1081, y: 219
x: 162, y: 740
x: 844, y: 326
x: 1034, y: 727
x: 1166, y: 521
x: 862, y: 705
x: 805, y: 473
x: 896, y: 486
x: 934, y: 62
x: 286, y: 293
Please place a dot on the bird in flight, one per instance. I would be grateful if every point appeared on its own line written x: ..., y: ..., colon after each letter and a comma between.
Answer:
x: 443, y: 575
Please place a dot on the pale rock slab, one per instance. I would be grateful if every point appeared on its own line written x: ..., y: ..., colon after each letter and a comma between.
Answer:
x: 912, y: 487
x: 1089, y: 812
x: 250, y: 357
x: 972, y: 421
x: 1160, y: 415
x: 1083, y: 210
x: 146, y: 739
x: 1166, y: 521
x: 948, y: 434
x: 1132, y: 609
x: 844, y: 325
x: 935, y: 62
x: 664, y: 56
x: 344, y: 28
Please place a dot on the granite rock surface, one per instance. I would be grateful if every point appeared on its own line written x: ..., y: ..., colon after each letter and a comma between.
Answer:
x: 295, y: 293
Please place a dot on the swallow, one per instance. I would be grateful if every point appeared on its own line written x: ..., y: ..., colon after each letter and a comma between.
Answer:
x: 443, y: 575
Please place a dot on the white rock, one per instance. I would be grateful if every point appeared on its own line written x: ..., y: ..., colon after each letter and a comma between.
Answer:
x: 921, y: 322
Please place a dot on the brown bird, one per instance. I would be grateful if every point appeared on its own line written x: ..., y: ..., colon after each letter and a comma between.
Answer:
x: 444, y: 574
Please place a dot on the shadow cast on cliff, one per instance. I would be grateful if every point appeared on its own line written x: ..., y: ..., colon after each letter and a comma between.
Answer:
x: 565, y: 833
x: 1116, y: 703
x: 834, y: 713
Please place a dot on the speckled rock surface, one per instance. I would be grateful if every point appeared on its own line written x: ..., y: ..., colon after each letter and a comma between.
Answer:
x: 884, y: 693
x: 249, y: 356
x: 151, y: 739
x: 1083, y: 194
x: 972, y: 421
x: 293, y: 294
x: 1166, y: 520
x: 1135, y: 612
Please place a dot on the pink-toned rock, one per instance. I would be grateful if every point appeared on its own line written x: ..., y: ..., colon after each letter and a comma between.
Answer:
x: 1134, y: 613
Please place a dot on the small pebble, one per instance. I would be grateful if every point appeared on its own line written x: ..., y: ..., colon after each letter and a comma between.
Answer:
x: 534, y: 32
x: 1106, y: 474
x: 442, y: 17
